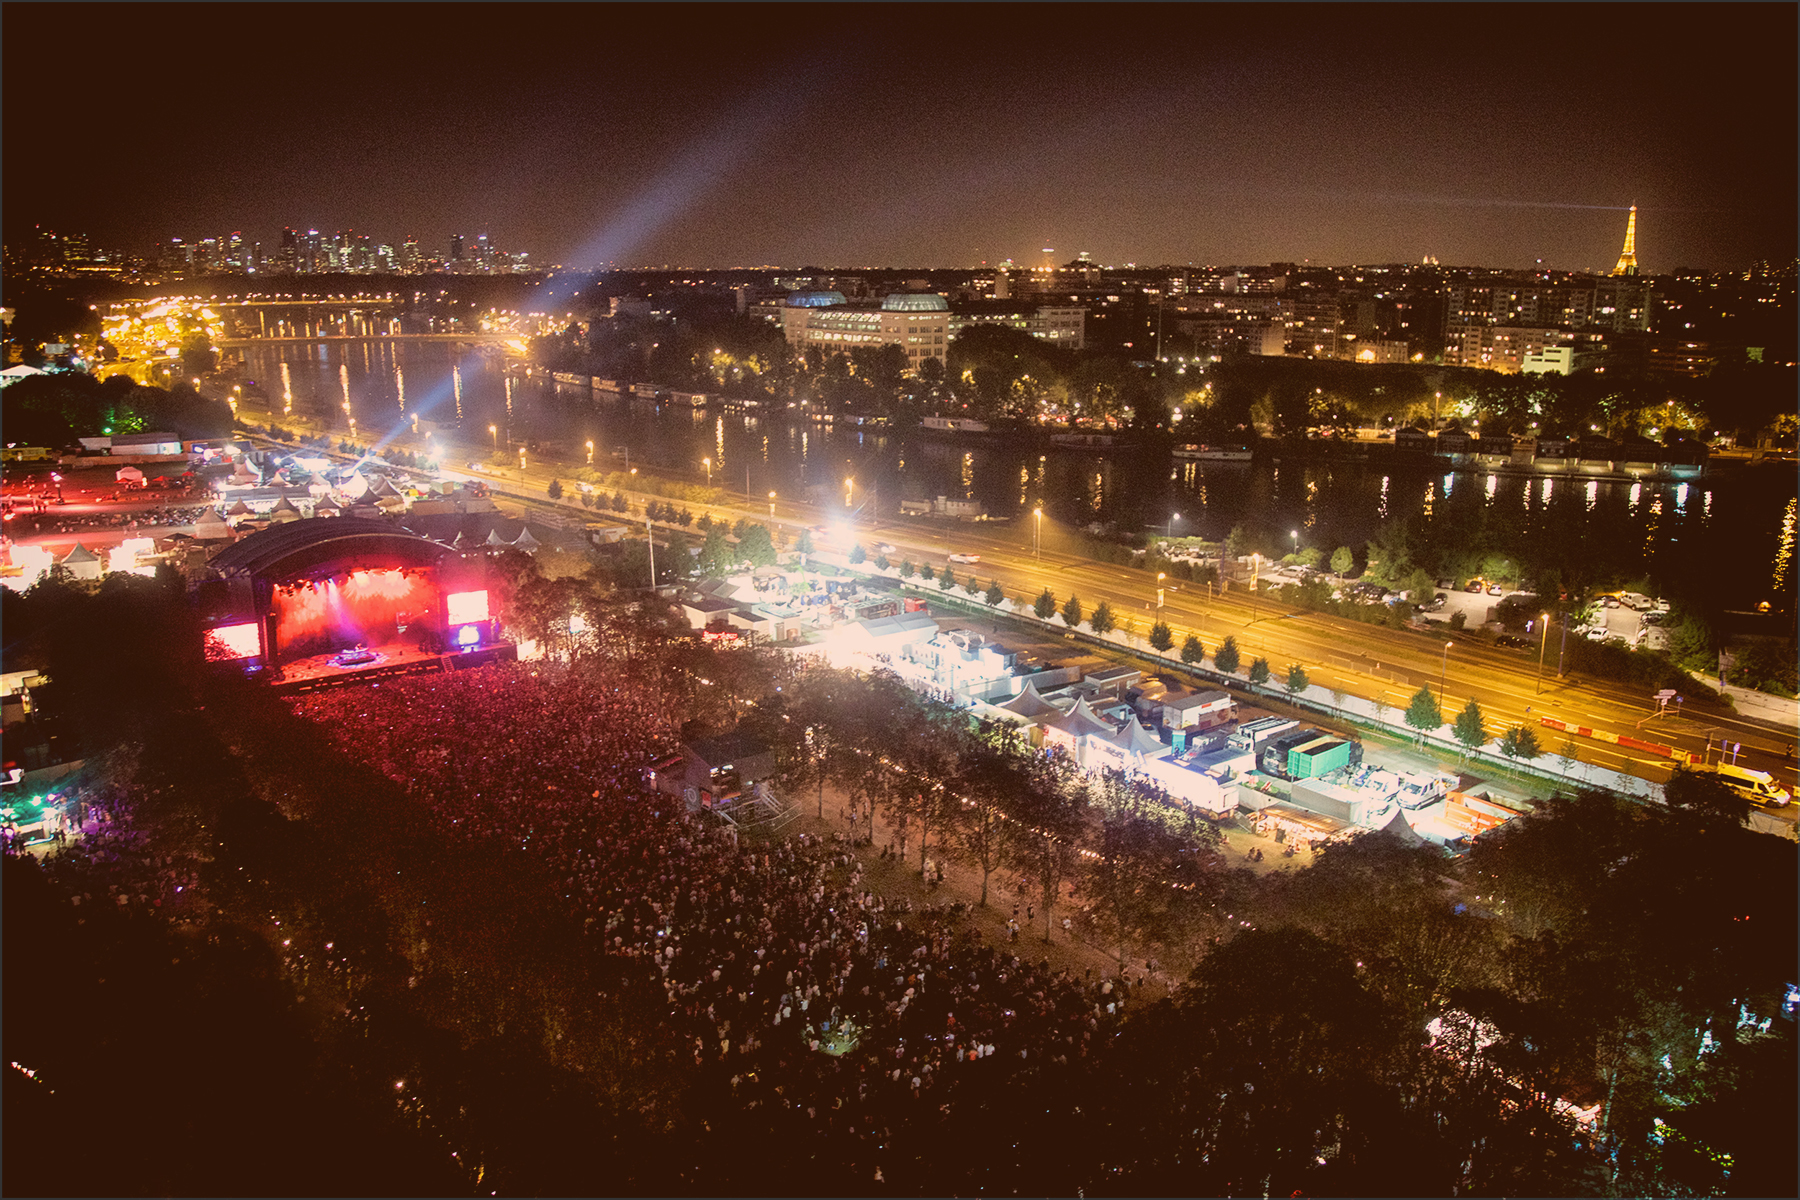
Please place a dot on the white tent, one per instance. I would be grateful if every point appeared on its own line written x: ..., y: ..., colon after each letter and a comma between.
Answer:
x: 128, y: 475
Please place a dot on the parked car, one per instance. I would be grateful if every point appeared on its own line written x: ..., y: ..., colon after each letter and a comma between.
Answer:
x: 1495, y: 589
x: 1597, y: 634
x: 1512, y: 642
x: 1474, y: 588
x: 1436, y: 602
x: 965, y: 558
x: 1654, y: 618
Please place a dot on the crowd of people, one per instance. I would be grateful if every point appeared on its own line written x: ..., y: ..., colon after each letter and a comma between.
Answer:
x: 100, y: 857
x: 815, y: 1007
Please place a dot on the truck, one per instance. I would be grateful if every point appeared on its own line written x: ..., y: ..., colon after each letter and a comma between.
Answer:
x: 1318, y: 759
x: 1759, y: 786
x: 1252, y: 736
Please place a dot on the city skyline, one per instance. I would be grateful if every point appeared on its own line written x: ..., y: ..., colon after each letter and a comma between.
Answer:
x: 866, y: 137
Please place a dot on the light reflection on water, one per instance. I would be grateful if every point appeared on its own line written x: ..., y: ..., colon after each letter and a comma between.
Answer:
x: 1338, y: 504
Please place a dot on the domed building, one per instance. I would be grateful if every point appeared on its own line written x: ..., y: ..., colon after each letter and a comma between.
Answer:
x: 917, y: 322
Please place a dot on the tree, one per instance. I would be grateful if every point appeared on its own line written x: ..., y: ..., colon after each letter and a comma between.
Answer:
x: 1226, y: 659
x: 907, y: 570
x: 858, y: 555
x: 1423, y: 713
x: 1044, y: 606
x: 1521, y: 741
x: 946, y: 579
x: 1237, y: 542
x: 1192, y: 652
x: 1700, y: 794
x: 619, y: 503
x: 756, y: 547
x: 1468, y: 726
x: 994, y: 594
x: 804, y: 543
x: 1161, y: 636
x: 926, y: 574
x: 555, y: 490
x: 882, y: 563
x: 1296, y: 679
x: 1102, y: 619
x: 1259, y: 671
x: 1071, y: 611
x: 717, y: 555
x: 973, y: 586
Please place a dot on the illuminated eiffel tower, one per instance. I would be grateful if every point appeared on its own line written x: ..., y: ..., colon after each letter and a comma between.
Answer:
x: 1628, y: 258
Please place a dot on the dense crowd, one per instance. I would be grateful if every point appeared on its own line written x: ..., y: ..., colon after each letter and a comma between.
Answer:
x: 817, y: 1008
x: 99, y: 857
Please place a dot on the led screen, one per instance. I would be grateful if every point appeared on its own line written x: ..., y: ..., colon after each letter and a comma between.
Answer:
x: 229, y: 642
x: 461, y: 608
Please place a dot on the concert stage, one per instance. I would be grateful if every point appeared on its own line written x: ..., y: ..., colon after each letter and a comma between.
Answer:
x: 325, y: 600
x: 389, y: 661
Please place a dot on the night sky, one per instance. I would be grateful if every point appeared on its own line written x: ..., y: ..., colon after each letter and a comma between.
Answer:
x: 929, y: 135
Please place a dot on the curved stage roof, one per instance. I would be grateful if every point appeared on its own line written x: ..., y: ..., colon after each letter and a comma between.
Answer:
x: 325, y: 545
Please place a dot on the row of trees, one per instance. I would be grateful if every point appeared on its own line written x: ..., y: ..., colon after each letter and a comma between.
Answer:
x: 1291, y: 396
x: 976, y: 790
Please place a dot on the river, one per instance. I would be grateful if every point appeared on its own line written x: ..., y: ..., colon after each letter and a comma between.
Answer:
x: 1737, y: 527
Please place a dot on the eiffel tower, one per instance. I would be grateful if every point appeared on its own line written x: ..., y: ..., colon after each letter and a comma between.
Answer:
x: 1628, y: 258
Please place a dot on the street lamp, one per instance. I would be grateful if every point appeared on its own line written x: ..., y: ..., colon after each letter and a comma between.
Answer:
x: 1296, y: 536
x: 521, y: 465
x: 1160, y: 576
x: 1173, y: 517
x: 708, y: 463
x: 849, y: 484
x: 590, y: 450
x: 771, y: 511
x: 1444, y: 674
x: 1543, y: 647
x: 495, y: 430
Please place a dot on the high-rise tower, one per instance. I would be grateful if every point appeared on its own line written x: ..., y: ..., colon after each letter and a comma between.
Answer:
x: 1628, y: 258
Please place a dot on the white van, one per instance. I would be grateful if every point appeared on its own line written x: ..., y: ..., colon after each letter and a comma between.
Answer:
x: 1760, y: 786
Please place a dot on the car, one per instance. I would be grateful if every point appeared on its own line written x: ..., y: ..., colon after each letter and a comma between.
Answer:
x: 1512, y: 642
x: 1435, y: 603
x: 820, y: 529
x: 1474, y: 588
x: 965, y: 558
x: 1597, y: 634
x: 1610, y: 601
x: 886, y: 548
x: 1654, y: 618
x: 1495, y: 589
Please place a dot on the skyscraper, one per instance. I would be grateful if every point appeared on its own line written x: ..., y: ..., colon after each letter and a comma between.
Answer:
x: 456, y: 247
x: 1628, y: 258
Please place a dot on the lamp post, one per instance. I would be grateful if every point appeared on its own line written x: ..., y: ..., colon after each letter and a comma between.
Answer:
x: 495, y: 431
x: 1296, y: 536
x: 1543, y: 648
x: 1444, y: 674
x: 849, y: 487
x: 1037, y: 534
x: 1173, y: 517
x: 771, y: 512
x: 708, y: 463
x: 1160, y: 576
x: 521, y: 466
x: 650, y: 541
x: 590, y: 450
